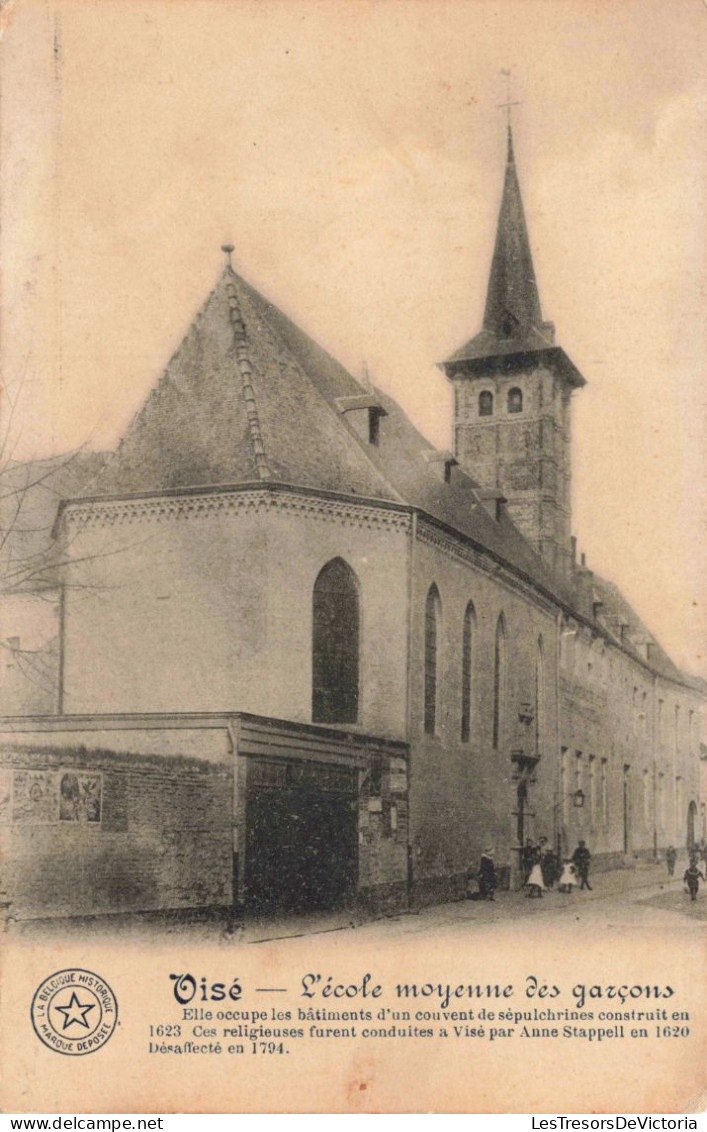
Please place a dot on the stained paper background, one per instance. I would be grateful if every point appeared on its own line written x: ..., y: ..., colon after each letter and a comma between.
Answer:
x: 353, y: 154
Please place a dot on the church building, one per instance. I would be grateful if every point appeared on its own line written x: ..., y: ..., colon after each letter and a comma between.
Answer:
x: 305, y: 659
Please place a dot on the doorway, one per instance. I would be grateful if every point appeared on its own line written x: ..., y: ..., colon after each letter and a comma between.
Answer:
x: 301, y: 835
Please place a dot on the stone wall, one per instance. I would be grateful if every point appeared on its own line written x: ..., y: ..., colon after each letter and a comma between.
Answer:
x: 463, y: 795
x: 204, y: 603
x: 630, y: 741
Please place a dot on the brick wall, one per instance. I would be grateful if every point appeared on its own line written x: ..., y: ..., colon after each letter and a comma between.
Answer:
x: 90, y: 831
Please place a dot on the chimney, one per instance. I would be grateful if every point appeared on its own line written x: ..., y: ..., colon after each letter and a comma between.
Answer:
x: 493, y: 500
x: 441, y: 463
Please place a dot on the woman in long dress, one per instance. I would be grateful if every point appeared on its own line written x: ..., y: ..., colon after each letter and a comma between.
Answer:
x: 535, y: 883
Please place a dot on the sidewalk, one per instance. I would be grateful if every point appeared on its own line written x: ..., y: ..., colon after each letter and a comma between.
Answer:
x: 645, y: 878
x: 507, y: 905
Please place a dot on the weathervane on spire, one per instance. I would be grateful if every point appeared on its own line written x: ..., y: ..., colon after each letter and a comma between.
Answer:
x: 228, y: 248
x: 509, y: 103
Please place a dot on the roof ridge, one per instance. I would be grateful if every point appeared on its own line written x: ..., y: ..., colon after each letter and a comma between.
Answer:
x: 363, y: 449
x: 245, y: 366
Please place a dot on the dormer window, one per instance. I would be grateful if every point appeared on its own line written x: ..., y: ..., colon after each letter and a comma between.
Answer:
x: 515, y: 400
x: 441, y: 463
x: 485, y: 404
x: 363, y: 412
x: 374, y: 426
x: 509, y: 325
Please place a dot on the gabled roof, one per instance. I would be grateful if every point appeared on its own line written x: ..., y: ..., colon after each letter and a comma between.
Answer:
x: 617, y: 611
x: 244, y: 398
x: 29, y: 494
x: 249, y: 397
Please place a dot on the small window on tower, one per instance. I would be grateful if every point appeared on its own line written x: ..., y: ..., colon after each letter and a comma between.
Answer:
x: 515, y: 400
x: 485, y: 404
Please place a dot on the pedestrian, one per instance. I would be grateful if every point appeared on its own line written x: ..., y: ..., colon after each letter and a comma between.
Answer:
x: 527, y: 857
x: 568, y: 877
x: 581, y: 859
x: 535, y: 883
x: 550, y: 867
x: 692, y: 879
x: 487, y: 875
x: 671, y: 856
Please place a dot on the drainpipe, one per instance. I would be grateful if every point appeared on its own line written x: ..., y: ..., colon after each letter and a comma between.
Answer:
x: 558, y: 739
x: 409, y: 697
x: 654, y: 745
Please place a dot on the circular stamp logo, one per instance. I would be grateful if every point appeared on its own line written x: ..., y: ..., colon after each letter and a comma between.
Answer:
x: 74, y: 1012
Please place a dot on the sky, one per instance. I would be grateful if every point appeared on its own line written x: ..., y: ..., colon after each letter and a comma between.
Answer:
x: 352, y: 152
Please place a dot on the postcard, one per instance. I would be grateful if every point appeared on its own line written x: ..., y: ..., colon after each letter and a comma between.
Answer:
x: 352, y: 557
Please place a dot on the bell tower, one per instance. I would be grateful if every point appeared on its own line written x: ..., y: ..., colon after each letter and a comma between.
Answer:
x: 512, y: 391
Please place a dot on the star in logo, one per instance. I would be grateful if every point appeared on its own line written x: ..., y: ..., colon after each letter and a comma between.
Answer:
x: 75, y: 1012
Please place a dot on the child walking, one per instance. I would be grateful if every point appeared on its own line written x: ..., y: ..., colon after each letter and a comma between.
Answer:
x: 568, y: 877
x: 692, y: 878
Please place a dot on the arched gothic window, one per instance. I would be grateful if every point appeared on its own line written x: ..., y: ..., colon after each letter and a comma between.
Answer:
x: 433, y: 619
x: 467, y: 661
x: 515, y: 400
x: 499, y: 681
x: 485, y: 404
x: 335, y: 645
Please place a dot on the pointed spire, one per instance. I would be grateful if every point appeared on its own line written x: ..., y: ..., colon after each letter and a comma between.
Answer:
x: 512, y: 301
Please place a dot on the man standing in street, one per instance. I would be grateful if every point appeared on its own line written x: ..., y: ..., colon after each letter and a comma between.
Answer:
x: 671, y: 856
x: 487, y: 875
x: 581, y: 858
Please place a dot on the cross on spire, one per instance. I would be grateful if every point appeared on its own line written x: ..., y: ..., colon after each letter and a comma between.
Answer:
x: 509, y: 103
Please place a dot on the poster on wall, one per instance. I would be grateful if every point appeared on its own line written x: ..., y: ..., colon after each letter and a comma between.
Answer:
x: 352, y: 500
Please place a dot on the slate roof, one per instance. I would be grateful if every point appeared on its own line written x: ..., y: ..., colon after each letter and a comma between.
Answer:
x: 248, y: 397
x: 513, y: 322
x: 244, y: 398
x: 29, y: 494
x: 617, y: 611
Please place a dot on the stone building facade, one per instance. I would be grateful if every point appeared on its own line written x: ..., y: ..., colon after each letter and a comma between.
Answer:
x: 402, y: 658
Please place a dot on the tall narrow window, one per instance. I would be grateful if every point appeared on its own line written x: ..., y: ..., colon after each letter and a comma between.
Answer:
x: 335, y: 645
x: 515, y: 400
x: 646, y: 797
x: 499, y: 681
x: 690, y: 730
x: 565, y: 784
x: 604, y: 795
x: 485, y: 404
x: 432, y: 628
x: 467, y: 660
